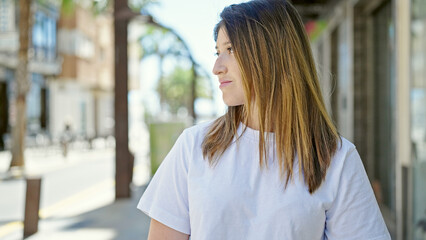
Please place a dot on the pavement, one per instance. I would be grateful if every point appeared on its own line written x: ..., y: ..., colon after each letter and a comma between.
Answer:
x: 115, y: 220
x: 93, y: 214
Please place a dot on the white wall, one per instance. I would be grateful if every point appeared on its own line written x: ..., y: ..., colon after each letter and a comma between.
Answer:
x: 71, y: 103
x: 105, y: 111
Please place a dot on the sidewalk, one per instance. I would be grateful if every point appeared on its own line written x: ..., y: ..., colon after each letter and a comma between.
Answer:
x: 42, y: 160
x: 94, y: 215
x: 118, y: 220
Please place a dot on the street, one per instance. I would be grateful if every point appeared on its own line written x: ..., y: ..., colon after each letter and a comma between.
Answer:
x: 70, y: 186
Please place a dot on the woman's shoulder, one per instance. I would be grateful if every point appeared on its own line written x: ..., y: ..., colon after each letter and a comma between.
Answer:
x: 192, y: 138
x: 346, y: 158
x: 344, y: 165
x: 344, y: 146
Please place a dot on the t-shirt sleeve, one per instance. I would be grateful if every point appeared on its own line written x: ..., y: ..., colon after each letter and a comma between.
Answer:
x: 354, y: 213
x: 166, y: 197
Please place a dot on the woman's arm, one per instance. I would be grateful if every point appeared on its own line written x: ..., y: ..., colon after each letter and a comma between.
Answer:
x: 159, y: 231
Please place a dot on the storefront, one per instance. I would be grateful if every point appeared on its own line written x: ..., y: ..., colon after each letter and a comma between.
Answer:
x: 418, y: 117
x: 372, y: 65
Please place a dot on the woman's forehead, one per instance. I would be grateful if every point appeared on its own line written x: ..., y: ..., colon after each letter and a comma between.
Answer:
x: 222, y: 38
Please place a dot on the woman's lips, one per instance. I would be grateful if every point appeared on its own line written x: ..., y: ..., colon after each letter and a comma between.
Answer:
x: 224, y: 83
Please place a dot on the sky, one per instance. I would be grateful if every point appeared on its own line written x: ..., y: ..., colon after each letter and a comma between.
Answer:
x: 194, y: 21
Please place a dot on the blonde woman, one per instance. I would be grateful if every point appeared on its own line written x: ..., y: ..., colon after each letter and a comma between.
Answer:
x: 274, y: 166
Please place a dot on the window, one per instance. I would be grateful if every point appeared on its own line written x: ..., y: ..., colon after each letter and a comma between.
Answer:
x: 7, y: 15
x: 44, y: 36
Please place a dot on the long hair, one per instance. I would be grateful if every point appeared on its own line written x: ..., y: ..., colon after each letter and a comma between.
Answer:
x: 280, y: 81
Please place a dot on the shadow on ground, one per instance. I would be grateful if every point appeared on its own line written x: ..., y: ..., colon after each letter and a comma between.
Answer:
x: 121, y: 219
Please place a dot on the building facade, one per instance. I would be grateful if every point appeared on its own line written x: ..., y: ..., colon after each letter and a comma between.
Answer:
x: 44, y: 64
x: 82, y: 95
x: 371, y: 57
x: 71, y: 72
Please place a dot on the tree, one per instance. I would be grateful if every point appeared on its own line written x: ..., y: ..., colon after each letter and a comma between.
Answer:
x: 22, y: 75
x: 22, y: 86
x: 163, y: 41
x: 176, y: 89
x: 23, y: 83
x: 122, y: 13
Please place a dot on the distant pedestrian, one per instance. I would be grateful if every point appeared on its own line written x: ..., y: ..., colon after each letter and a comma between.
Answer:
x: 274, y: 166
x: 65, y: 139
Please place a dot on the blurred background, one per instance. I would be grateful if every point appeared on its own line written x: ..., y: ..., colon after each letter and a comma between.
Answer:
x: 93, y: 94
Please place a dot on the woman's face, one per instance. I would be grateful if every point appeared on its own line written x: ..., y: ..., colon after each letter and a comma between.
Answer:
x: 227, y: 69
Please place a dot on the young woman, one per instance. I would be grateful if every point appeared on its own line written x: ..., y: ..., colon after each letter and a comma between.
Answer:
x: 274, y: 166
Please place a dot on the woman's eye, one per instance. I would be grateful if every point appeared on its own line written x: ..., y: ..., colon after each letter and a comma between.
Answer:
x: 230, y: 50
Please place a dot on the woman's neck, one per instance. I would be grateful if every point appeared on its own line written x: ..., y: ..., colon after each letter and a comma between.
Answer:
x: 253, y: 120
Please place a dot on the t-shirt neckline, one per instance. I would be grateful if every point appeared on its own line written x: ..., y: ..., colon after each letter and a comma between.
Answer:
x: 253, y: 134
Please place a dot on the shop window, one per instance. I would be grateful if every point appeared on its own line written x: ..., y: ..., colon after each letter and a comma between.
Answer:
x: 384, y: 107
x: 418, y: 117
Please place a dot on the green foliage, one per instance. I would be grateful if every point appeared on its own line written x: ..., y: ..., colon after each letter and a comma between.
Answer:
x: 67, y: 6
x: 419, y: 9
x: 162, y: 137
x: 99, y: 6
x: 175, y: 89
x: 203, y: 88
x: 161, y: 42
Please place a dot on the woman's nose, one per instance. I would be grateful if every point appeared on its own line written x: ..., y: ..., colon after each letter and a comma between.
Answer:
x: 219, y: 67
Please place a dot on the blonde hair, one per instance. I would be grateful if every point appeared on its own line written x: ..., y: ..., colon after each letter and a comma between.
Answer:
x: 280, y: 81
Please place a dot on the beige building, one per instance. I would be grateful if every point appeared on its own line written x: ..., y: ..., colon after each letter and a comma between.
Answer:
x: 82, y: 96
x: 44, y: 64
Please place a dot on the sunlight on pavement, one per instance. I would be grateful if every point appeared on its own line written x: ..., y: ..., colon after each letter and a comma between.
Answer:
x: 92, y: 234
x: 92, y: 197
x: 81, y: 202
x: 10, y: 227
x: 75, y: 199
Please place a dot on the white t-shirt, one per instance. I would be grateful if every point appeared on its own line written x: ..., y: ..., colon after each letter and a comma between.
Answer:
x: 238, y: 200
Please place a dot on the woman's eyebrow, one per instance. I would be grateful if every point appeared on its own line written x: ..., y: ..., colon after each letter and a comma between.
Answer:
x: 223, y: 44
